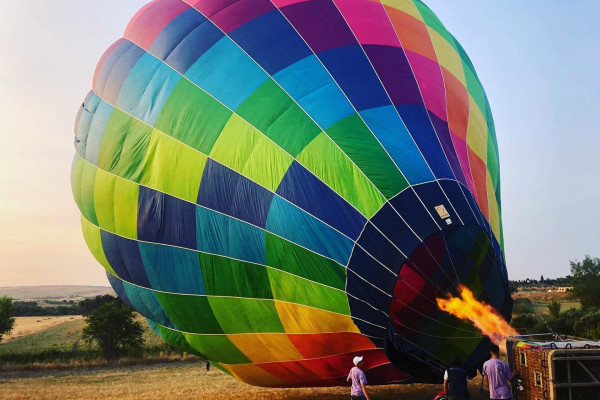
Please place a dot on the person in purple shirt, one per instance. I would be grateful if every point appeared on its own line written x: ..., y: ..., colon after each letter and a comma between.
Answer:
x: 496, y: 374
x: 358, y: 379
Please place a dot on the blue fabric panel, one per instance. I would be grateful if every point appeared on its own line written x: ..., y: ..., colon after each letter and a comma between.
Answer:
x: 381, y: 249
x: 392, y: 226
x: 411, y: 209
x: 166, y: 219
x: 443, y: 133
x: 431, y: 195
x: 309, y: 83
x: 224, y: 190
x: 96, y: 132
x: 472, y: 203
x: 143, y: 301
x: 360, y: 289
x: 387, y: 126
x: 302, y: 188
x: 417, y: 121
x: 226, y: 73
x: 359, y: 309
x: 271, y: 41
x: 222, y: 235
x: 147, y: 89
x: 172, y: 34
x: 83, y: 122
x: 297, y: 226
x: 124, y: 256
x: 352, y: 71
x: 452, y: 190
x: 115, y: 69
x: 193, y: 46
x: 369, y: 269
x: 171, y: 269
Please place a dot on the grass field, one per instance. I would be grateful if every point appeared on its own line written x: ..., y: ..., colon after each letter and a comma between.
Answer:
x: 25, y: 326
x: 181, y: 381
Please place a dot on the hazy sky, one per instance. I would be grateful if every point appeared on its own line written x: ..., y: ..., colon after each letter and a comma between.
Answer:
x: 538, y: 61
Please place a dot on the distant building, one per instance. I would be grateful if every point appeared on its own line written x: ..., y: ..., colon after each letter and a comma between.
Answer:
x: 563, y: 289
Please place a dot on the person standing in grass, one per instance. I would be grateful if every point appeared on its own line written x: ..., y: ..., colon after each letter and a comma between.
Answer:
x: 496, y: 374
x: 358, y: 379
x: 455, y: 380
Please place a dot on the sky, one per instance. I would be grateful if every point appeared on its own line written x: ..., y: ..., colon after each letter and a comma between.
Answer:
x: 538, y: 62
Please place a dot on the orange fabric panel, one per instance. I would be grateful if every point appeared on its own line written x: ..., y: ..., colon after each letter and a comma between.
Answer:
x: 412, y: 33
x: 479, y: 171
x: 266, y: 347
x: 325, y: 344
x: 457, y: 103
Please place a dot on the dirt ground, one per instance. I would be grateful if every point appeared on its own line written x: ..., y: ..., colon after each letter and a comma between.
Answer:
x: 180, y: 381
x: 27, y: 325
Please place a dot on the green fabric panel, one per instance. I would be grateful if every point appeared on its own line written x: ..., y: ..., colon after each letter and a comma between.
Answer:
x: 76, y: 172
x: 237, y: 315
x: 226, y: 277
x: 271, y: 110
x: 245, y: 150
x: 324, y: 159
x: 124, y: 146
x: 88, y: 181
x: 217, y: 347
x: 492, y: 163
x: 104, y: 200
x: 296, y: 260
x: 176, y: 339
x: 125, y: 208
x: 474, y: 88
x: 189, y: 313
x: 433, y: 22
x: 293, y: 289
x: 91, y: 234
x: 355, y: 139
x: 193, y: 117
x: 172, y: 167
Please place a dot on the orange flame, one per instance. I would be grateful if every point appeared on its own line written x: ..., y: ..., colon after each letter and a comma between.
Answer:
x: 483, y: 316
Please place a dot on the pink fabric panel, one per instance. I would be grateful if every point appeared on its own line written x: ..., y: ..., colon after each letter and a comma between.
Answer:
x: 461, y: 151
x: 151, y: 20
x: 237, y: 14
x: 429, y: 78
x: 210, y: 7
x: 283, y: 3
x: 101, y: 63
x: 365, y: 18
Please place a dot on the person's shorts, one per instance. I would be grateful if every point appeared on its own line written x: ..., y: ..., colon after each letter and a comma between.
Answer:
x: 459, y: 398
x: 358, y: 398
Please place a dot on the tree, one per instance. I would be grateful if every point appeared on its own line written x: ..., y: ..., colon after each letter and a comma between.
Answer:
x: 7, y: 321
x: 586, y: 281
x: 114, y: 329
x: 86, y: 306
x: 554, y: 308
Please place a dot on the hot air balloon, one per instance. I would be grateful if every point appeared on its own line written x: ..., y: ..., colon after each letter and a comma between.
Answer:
x: 281, y: 185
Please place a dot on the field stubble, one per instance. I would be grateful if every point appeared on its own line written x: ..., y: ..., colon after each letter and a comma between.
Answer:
x: 181, y: 381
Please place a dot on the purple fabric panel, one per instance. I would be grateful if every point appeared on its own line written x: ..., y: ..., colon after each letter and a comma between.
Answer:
x: 211, y: 7
x: 320, y: 23
x: 395, y: 73
x: 441, y: 128
x: 240, y: 12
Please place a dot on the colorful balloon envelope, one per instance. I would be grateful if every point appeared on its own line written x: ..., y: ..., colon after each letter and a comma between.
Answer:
x: 279, y: 186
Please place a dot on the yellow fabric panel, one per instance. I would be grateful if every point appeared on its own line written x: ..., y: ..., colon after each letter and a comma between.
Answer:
x: 477, y: 134
x: 91, y: 233
x: 244, y: 149
x: 253, y: 375
x: 406, y: 6
x: 125, y: 208
x: 266, y: 347
x: 104, y: 199
x: 172, y: 167
x: 493, y: 206
x: 447, y: 56
x: 296, y: 318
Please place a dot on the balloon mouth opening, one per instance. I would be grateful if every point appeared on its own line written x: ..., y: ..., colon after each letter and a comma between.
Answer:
x: 419, y: 334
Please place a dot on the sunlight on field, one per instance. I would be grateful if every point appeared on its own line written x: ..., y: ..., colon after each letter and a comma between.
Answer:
x: 181, y: 381
x: 28, y: 325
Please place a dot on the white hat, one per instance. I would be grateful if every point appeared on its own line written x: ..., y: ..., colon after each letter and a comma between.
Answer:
x: 357, y: 359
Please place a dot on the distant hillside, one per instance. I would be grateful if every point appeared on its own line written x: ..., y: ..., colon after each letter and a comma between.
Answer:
x: 54, y: 292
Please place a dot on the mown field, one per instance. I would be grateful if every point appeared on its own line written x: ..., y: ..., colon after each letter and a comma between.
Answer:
x: 181, y: 381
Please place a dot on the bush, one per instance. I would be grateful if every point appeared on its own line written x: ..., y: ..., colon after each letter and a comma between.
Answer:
x: 523, y: 306
x: 588, y: 326
x: 7, y: 320
x: 524, y: 321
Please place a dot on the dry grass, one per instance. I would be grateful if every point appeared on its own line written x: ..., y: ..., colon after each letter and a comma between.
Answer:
x: 179, y: 381
x: 28, y: 325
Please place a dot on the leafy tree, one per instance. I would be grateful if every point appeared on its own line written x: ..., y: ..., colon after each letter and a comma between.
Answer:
x: 554, y: 308
x: 565, y: 323
x: 588, y: 326
x: 86, y: 306
x: 7, y: 321
x: 586, y: 281
x: 524, y: 321
x: 114, y: 329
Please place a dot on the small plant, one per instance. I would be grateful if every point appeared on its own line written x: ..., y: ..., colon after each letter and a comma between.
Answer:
x: 554, y: 308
